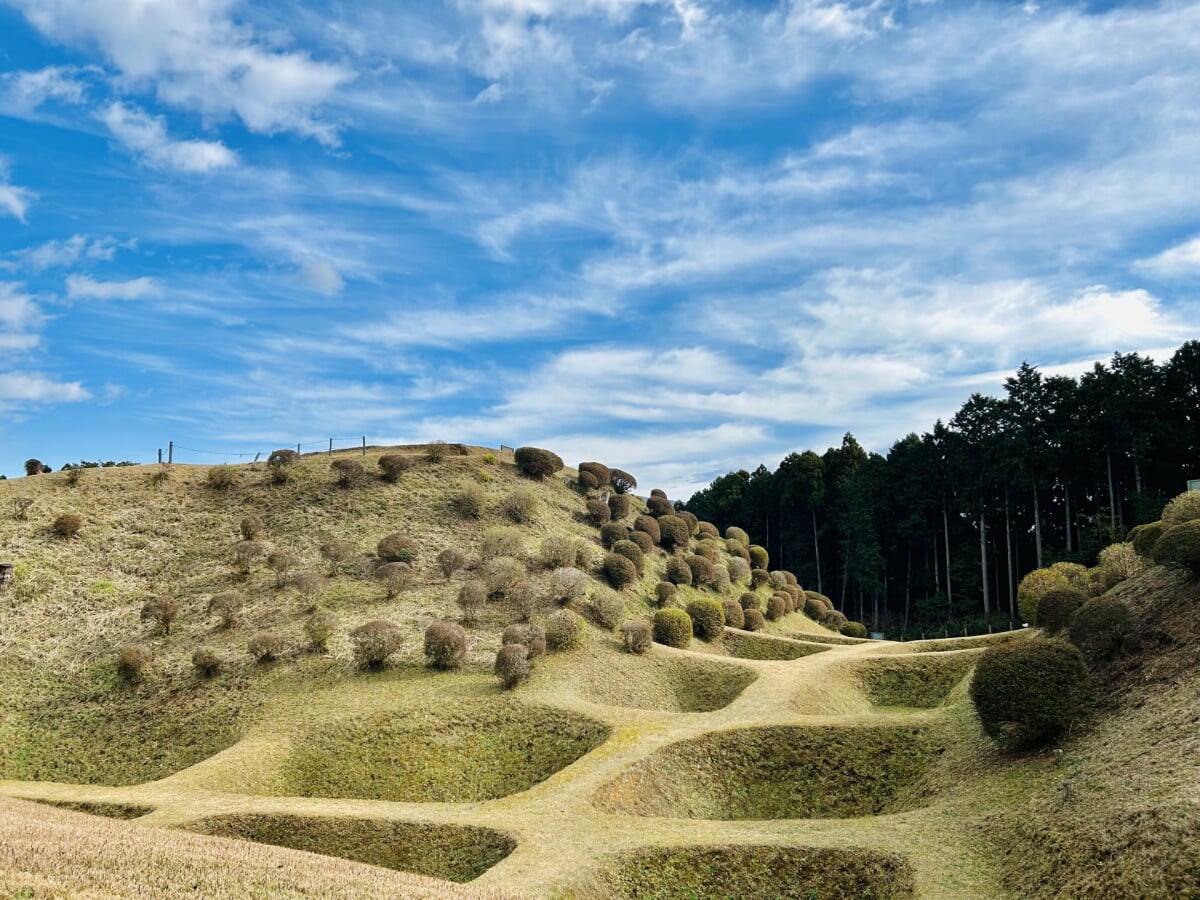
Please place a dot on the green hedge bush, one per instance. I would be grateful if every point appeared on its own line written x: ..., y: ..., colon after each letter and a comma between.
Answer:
x: 649, y: 525
x: 1099, y: 627
x: 534, y: 462
x: 855, y: 630
x: 620, y: 506
x: 759, y: 558
x: 754, y: 620
x: 673, y: 628
x: 598, y: 512
x: 1027, y: 692
x: 659, y: 507
x: 512, y: 665
x: 1184, y: 508
x: 1179, y: 547
x: 733, y: 533
x: 678, y: 571
x: 1144, y: 537
x: 673, y: 533
x: 750, y: 600
x: 612, y: 532
x: 734, y: 616
x: 618, y: 570
x: 708, y: 618
x: 665, y: 592
x: 632, y: 552
x: 598, y: 471
x: 564, y: 630
x: 777, y: 606
x: 1057, y: 606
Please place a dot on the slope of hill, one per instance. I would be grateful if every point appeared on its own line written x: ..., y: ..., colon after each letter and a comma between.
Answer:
x: 785, y: 763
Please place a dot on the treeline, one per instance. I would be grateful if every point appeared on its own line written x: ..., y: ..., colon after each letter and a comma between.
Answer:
x: 944, y: 527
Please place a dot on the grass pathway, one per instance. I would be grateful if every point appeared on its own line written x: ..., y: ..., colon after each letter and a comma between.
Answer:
x: 560, y: 833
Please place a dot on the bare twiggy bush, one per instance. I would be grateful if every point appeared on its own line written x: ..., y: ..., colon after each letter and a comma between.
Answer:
x: 266, y: 646
x: 226, y: 606
x: 20, y: 507
x: 282, y: 562
x: 310, y: 586
x: 567, y: 584
x: 132, y: 660
x: 450, y: 561
x: 221, y: 478
x: 375, y: 641
x: 393, y: 465
x: 206, y: 661
x: 280, y: 463
x: 395, y: 578
x: 346, y: 472
x: 471, y: 598
x: 502, y: 575
x: 397, y: 547
x: 512, y: 665
x: 445, y: 645
x: 67, y: 525
x: 246, y: 554
x: 637, y: 636
x: 521, y: 506
x: 338, y: 553
x: 468, y: 501
x: 532, y: 636
x: 160, y: 610
x: 252, y: 527
x: 319, y: 628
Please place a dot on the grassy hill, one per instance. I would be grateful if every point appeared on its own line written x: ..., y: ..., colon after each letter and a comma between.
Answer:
x: 784, y: 762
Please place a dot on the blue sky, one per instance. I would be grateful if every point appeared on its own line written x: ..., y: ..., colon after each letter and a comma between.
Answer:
x: 681, y: 237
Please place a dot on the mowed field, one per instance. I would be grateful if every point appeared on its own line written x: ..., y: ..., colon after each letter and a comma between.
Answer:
x: 783, y: 762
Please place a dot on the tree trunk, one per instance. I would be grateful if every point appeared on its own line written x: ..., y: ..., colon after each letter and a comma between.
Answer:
x: 1012, y: 588
x: 983, y: 557
x: 1037, y: 524
x: 908, y: 587
x: 1067, y: 512
x: 1112, y: 497
x: 937, y: 565
x: 845, y: 575
x: 949, y: 590
x: 1137, y: 468
x: 817, y: 551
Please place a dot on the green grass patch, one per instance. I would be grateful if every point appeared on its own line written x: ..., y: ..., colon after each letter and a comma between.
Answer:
x: 827, y: 638
x: 453, y: 852
x: 966, y: 643
x: 107, y: 810
x: 444, y: 752
x: 758, y: 872
x: 921, y: 680
x: 117, y: 737
x: 787, y: 772
x: 747, y: 645
x: 673, y: 682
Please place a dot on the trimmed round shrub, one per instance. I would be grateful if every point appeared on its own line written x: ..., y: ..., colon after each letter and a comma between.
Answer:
x: 598, y: 512
x: 450, y: 561
x: 512, y: 665
x: 673, y: 627
x: 621, y: 481
x: 1117, y: 563
x: 658, y: 492
x: 833, y: 620
x: 738, y: 550
x: 397, y: 548
x: 1057, y: 606
x: 790, y: 578
x: 665, y: 592
x: 445, y: 645
x: 606, y: 608
x: 132, y: 660
x: 759, y: 577
x: 221, y: 478
x: 280, y: 463
x: 599, y: 472
x: 436, y: 452
x: 567, y: 584
x: 281, y: 562
x: 502, y: 540
x: 338, y: 553
x: 632, y: 552
x: 468, y: 501
x: 1032, y: 588
x: 820, y: 598
x: 643, y: 541
x: 319, y: 629
x: 1179, y: 546
x: 759, y: 558
x: 502, y: 575
x: 678, y: 571
x: 720, y: 582
x: 855, y: 630
x: 35, y: 467
x: 206, y: 661
x: 693, y: 524
x: 1184, y: 508
x: 733, y: 533
x: 160, y: 610
x: 534, y: 462
x: 373, y: 642
x: 754, y: 620
x: 814, y: 608
x: 674, y: 533
x: 526, y: 597
x: 471, y: 598
x: 707, y: 529
x: 587, y: 481
x: 521, y: 506
x: 559, y: 551
x: 659, y: 507
x: 252, y: 527
x: 750, y: 600
x: 703, y: 573
x: 227, y: 607
x: 777, y: 607
x: 708, y: 618
x: 564, y: 630
x: 347, y: 471
x: 393, y: 465
x: 777, y: 580
x: 709, y: 549
x: 1099, y: 627
x: 738, y: 569
x: 1144, y: 537
x: 734, y: 617
x: 266, y: 646
x: 395, y: 578
x: 649, y: 525
x: 611, y: 532
x: 1027, y: 692
x: 619, y: 506
x: 533, y: 637
x: 67, y: 525
x: 637, y: 636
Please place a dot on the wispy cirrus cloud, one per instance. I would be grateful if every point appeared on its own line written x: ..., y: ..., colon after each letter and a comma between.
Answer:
x: 83, y: 287
x: 14, y: 200
x: 146, y: 136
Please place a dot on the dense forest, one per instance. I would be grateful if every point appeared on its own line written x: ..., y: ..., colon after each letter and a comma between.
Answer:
x: 939, y: 532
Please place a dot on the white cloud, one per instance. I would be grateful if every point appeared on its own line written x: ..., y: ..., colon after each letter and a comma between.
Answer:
x: 13, y: 199
x: 147, y: 136
x: 23, y: 92
x: 81, y: 287
x: 198, y: 56
x: 322, y: 277
x: 33, y: 387
x: 55, y: 254
x: 20, y: 318
x: 1179, y: 261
